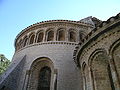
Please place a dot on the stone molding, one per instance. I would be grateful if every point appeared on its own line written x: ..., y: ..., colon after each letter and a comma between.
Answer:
x: 46, y: 43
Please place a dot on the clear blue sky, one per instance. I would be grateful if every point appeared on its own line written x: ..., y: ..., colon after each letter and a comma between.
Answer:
x: 16, y: 15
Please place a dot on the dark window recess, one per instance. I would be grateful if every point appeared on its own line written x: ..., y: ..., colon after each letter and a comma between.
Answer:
x: 44, y: 79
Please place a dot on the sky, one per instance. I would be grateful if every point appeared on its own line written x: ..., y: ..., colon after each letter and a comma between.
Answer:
x: 15, y: 15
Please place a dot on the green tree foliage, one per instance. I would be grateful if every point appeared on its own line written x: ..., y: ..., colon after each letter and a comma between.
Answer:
x: 4, y: 63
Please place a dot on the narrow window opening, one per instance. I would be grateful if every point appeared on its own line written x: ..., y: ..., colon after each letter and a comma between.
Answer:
x: 44, y: 79
x: 25, y: 42
x: 50, y: 36
x: 20, y: 43
x: 32, y: 39
x: 40, y: 37
x: 81, y: 36
x: 72, y: 36
x: 61, y: 35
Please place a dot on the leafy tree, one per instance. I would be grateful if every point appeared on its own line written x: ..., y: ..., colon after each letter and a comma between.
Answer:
x: 4, y: 63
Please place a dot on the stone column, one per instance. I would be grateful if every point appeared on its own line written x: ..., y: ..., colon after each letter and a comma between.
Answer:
x: 26, y: 82
x: 55, y: 35
x: 114, y: 74
x: 91, y: 83
x: 35, y: 37
x: 44, y: 36
x: 54, y: 83
x: 84, y: 81
x: 67, y: 35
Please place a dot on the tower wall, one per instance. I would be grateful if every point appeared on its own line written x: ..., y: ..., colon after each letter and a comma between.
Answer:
x: 99, y: 56
x: 50, y: 44
x: 68, y: 75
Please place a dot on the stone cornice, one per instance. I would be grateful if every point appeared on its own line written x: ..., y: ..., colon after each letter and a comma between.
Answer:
x: 50, y: 42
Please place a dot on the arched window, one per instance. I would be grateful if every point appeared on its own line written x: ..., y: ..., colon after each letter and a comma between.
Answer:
x: 20, y: 43
x: 32, y: 39
x: 44, y: 79
x: 116, y: 59
x: 100, y: 73
x: 40, y: 37
x: 72, y: 36
x: 61, y: 35
x: 25, y: 41
x: 18, y: 46
x: 82, y: 36
x: 50, y: 35
x: 41, y: 72
x: 115, y: 53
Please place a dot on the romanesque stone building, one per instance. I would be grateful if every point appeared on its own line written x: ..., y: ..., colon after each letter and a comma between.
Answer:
x: 66, y: 55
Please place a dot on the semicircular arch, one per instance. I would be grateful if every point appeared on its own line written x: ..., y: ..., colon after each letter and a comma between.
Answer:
x: 115, y: 58
x: 96, y: 52
x: 41, y: 67
x: 114, y: 46
x: 100, y: 70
